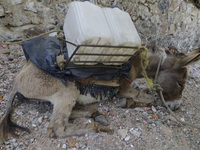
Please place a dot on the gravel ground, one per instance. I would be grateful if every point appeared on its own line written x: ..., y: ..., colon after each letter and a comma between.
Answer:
x: 137, y: 129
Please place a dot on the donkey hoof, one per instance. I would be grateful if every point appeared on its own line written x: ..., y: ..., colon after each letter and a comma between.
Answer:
x: 174, y: 105
x: 50, y: 132
x: 54, y: 133
x: 60, y: 132
x: 101, y: 128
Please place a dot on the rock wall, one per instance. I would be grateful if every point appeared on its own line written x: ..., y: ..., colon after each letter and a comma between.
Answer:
x: 162, y: 22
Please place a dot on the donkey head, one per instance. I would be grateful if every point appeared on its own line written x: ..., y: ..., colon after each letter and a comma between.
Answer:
x: 173, y: 75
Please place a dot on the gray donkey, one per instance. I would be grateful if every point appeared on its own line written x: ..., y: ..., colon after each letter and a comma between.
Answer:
x: 34, y: 83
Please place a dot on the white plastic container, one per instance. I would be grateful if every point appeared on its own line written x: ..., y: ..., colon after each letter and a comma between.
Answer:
x: 86, y: 23
x: 123, y: 30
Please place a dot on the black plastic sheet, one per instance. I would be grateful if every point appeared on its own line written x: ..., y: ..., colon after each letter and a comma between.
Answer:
x: 44, y: 50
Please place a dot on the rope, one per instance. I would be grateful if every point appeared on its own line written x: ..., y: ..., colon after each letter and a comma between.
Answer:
x: 144, y: 62
x: 20, y: 42
x: 159, y: 89
x: 172, y: 113
x: 157, y: 71
x: 155, y: 86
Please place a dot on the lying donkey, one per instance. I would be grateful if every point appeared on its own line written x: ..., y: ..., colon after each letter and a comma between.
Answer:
x: 33, y: 83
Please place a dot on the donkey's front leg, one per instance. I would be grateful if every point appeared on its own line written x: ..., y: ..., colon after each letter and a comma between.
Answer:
x: 64, y: 102
x: 132, y: 97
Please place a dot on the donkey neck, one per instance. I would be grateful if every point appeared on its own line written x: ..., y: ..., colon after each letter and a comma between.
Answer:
x: 136, y: 70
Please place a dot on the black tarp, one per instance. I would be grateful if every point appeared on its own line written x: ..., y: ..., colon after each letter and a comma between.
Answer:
x: 43, y: 51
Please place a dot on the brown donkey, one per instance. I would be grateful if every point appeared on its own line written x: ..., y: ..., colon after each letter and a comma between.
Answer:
x: 33, y: 83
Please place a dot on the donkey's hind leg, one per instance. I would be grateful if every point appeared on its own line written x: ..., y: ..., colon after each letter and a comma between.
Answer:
x: 63, y: 101
x: 88, y: 111
x: 84, y: 111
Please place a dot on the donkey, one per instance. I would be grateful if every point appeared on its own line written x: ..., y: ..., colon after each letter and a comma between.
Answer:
x: 33, y: 83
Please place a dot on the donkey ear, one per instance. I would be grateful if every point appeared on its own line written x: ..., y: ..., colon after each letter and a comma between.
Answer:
x: 191, y: 57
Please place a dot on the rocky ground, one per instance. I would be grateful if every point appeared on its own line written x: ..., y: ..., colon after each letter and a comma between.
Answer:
x: 138, y: 129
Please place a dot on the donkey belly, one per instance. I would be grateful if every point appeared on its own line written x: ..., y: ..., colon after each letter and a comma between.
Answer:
x: 87, y: 99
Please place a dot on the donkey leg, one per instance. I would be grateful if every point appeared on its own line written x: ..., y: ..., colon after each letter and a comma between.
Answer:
x: 131, y: 98
x: 59, y: 124
x: 86, y: 111
x: 81, y: 129
x: 64, y: 101
x: 89, y: 111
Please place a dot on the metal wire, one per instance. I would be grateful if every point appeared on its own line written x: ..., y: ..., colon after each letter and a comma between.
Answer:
x: 97, y: 54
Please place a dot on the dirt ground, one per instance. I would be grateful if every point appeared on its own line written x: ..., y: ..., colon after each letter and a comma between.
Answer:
x: 144, y: 128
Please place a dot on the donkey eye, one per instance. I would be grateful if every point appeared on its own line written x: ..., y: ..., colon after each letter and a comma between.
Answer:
x: 179, y: 84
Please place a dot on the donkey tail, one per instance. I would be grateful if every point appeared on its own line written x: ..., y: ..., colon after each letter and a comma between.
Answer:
x: 7, y: 127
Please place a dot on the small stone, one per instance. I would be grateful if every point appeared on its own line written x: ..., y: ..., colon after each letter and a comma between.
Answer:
x: 26, y: 143
x: 163, y: 5
x: 127, y: 138
x: 14, y: 140
x: 15, y: 60
x: 135, y: 132
x: 15, y: 2
x: 90, y: 142
x: 6, y: 142
x: 64, y: 146
x: 145, y: 113
x: 30, y: 6
x: 122, y: 133
x: 34, y: 125
x: 32, y: 140
x: 7, y: 146
x: 137, y: 119
x: 72, y: 142
x: 164, y: 28
x: 166, y: 130
x: 40, y: 119
x: 153, y: 109
x: 151, y: 1
x: 119, y: 124
x: 142, y: 1
x: 102, y: 120
x: 21, y: 143
x: 3, y: 58
x: 2, y: 13
x: 138, y: 109
x: 15, y: 144
x: 58, y: 146
x: 132, y: 146
x: 182, y: 119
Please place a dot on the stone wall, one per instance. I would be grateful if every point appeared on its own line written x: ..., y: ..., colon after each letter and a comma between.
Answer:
x: 162, y: 22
